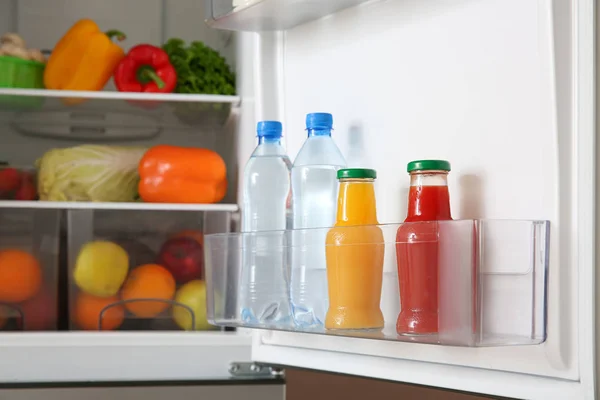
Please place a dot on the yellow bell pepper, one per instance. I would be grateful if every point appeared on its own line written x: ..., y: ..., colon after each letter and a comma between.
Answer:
x: 84, y: 58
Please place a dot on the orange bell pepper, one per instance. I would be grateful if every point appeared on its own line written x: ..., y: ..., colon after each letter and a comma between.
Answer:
x: 84, y: 58
x: 171, y: 174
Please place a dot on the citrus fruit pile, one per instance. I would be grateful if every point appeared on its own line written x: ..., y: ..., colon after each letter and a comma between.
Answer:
x: 111, y: 289
x: 23, y: 292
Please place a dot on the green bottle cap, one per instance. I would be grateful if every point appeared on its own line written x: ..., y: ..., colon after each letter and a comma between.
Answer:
x: 356, y: 173
x: 428, y: 165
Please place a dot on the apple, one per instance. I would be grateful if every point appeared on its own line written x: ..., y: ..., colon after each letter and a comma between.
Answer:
x: 192, y: 295
x: 184, y: 257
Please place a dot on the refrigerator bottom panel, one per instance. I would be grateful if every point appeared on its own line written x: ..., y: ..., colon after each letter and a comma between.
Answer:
x: 226, y: 392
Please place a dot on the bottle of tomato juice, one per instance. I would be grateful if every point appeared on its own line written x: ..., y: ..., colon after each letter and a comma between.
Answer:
x: 417, y: 247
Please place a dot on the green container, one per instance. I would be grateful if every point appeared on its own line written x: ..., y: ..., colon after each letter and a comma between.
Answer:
x: 17, y: 73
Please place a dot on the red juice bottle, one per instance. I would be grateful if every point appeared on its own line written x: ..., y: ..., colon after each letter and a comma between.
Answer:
x: 417, y: 247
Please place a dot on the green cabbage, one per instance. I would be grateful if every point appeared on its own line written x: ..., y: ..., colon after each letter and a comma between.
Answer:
x: 89, y: 173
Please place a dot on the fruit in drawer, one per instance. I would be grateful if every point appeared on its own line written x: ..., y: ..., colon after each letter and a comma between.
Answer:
x: 148, y: 290
x: 192, y: 295
x: 101, y: 268
x: 39, y: 312
x: 93, y: 313
x: 20, y: 275
x: 184, y: 257
x: 139, y: 253
x: 192, y: 234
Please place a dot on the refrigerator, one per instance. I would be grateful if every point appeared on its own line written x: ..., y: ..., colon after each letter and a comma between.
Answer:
x: 503, y: 89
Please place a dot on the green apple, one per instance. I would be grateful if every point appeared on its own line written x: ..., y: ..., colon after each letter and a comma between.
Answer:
x: 192, y: 295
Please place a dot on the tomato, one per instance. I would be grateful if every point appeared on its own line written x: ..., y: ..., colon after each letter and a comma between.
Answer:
x: 10, y: 179
x: 27, y: 189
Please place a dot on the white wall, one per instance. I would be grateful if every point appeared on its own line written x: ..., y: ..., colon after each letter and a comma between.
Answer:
x: 467, y: 81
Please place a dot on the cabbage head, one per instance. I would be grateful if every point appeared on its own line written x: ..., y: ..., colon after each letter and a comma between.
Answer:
x: 89, y: 173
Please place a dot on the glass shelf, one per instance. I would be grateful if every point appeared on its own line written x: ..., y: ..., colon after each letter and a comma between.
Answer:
x: 491, y: 278
x: 109, y: 116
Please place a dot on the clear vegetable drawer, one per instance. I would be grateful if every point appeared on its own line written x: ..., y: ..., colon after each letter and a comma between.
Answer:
x: 139, y: 270
x: 463, y: 283
x: 29, y: 260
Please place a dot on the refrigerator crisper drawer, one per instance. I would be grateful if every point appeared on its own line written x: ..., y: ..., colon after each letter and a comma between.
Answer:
x: 138, y: 270
x: 491, y: 285
x: 29, y: 257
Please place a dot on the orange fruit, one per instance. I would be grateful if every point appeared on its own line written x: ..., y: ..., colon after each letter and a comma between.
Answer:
x: 188, y: 233
x: 20, y: 275
x: 87, y: 309
x: 152, y: 282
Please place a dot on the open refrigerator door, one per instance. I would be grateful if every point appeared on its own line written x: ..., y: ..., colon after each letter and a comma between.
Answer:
x: 502, y: 89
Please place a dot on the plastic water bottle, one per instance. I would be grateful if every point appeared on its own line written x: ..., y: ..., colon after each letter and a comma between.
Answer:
x: 264, y: 298
x: 314, y: 204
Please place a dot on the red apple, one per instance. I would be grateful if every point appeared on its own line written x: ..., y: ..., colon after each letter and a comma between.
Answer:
x: 39, y: 312
x: 184, y: 257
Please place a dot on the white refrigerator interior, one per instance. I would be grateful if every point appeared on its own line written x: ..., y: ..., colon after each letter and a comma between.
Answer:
x: 503, y: 89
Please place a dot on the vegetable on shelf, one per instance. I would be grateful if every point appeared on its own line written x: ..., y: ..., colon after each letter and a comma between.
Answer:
x: 17, y: 185
x: 84, y: 58
x: 10, y: 178
x: 145, y: 68
x: 26, y: 191
x: 13, y: 45
x: 199, y: 68
x: 171, y: 174
x: 89, y: 173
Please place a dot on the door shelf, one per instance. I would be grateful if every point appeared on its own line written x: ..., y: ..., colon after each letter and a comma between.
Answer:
x: 270, y: 15
x: 109, y: 115
x: 491, y: 284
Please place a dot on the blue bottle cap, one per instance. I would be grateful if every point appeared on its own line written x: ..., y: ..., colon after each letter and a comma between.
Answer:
x: 319, y: 121
x: 269, y: 129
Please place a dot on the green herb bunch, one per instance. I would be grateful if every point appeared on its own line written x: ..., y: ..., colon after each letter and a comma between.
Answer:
x: 199, y: 68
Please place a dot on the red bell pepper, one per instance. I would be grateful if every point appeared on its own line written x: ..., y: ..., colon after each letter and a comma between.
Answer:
x: 146, y: 69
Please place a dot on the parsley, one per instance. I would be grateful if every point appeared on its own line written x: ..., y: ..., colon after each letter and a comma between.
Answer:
x: 199, y: 68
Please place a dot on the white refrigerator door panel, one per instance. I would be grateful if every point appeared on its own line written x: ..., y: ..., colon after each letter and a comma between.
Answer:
x: 504, y: 90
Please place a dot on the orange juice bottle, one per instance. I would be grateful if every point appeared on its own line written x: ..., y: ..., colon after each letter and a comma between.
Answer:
x: 354, y: 250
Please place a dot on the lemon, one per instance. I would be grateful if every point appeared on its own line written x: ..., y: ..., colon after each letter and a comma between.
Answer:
x: 101, y: 268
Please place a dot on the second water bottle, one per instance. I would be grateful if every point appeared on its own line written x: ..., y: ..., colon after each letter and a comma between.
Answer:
x: 314, y: 204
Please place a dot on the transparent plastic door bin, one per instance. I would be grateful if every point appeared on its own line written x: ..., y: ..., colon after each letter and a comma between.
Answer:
x: 29, y: 267
x: 491, y: 278
x: 139, y: 270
